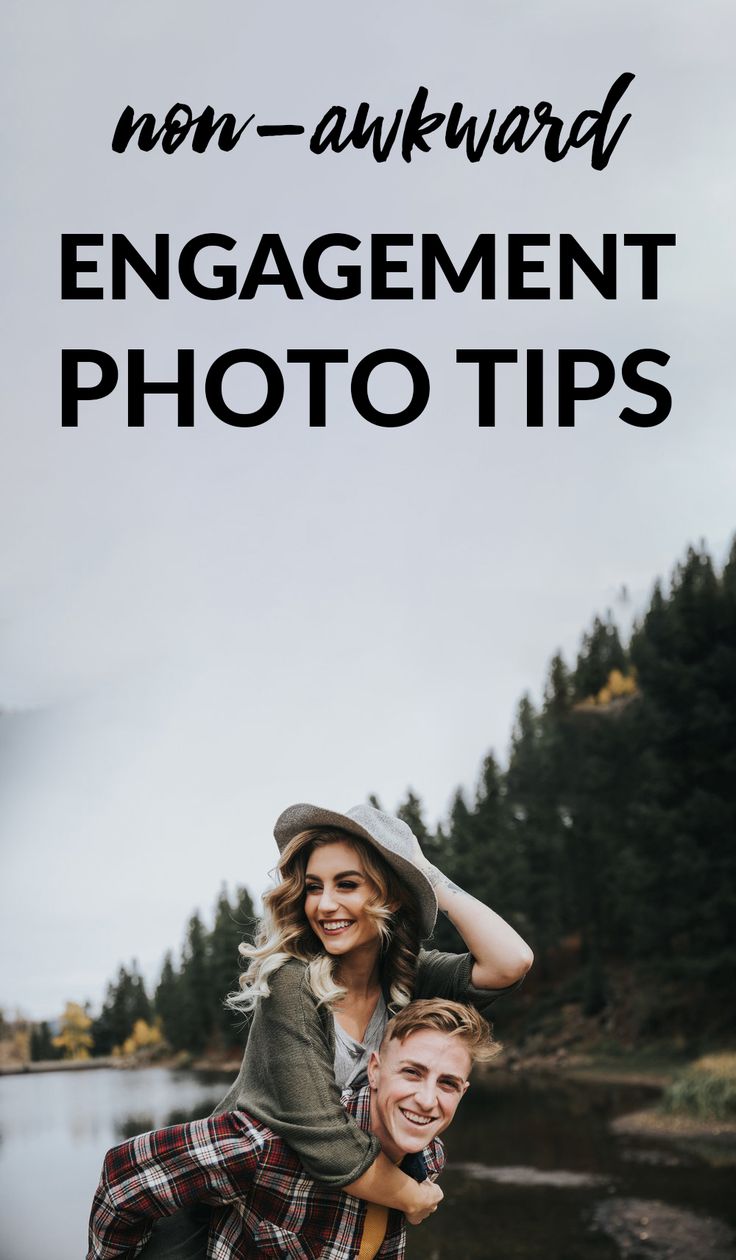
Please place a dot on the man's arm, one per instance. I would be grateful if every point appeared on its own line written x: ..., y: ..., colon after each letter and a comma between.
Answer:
x: 154, y: 1175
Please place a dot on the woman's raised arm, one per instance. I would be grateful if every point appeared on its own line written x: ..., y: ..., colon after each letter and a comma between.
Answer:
x: 501, y: 956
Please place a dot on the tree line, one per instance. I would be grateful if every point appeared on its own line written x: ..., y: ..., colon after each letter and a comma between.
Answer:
x: 184, y: 1012
x: 607, y: 840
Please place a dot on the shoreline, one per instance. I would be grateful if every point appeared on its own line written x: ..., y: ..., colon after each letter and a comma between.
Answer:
x: 660, y: 1124
x: 120, y: 1063
x: 582, y: 1067
x: 648, y: 1122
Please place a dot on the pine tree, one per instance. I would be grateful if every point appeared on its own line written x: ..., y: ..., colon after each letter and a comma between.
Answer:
x: 601, y: 652
x: 233, y: 923
x: 168, y: 1004
x: 197, y: 1002
x: 536, y: 830
x: 42, y: 1045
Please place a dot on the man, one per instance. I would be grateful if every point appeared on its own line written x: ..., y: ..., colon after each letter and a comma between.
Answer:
x: 262, y: 1201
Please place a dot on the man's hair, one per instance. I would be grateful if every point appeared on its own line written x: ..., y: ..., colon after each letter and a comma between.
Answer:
x: 452, y: 1018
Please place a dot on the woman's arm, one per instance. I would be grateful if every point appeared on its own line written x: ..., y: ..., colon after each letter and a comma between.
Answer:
x: 501, y: 956
x: 386, y: 1184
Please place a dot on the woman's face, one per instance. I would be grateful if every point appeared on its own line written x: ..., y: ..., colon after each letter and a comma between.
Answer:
x: 337, y: 892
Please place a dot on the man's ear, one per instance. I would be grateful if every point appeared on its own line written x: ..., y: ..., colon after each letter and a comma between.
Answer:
x: 466, y: 1086
x: 374, y: 1067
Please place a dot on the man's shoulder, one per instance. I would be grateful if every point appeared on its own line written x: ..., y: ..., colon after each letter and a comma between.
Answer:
x: 357, y: 1103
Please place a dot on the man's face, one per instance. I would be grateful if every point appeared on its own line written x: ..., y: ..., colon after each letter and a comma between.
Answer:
x: 417, y: 1084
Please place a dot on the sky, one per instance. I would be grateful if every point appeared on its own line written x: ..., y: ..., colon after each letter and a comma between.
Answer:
x: 201, y: 626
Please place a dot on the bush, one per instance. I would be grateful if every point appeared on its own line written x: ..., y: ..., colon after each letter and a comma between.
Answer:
x: 707, y: 1089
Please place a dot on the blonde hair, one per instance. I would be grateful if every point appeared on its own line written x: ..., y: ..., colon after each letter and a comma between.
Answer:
x: 284, y: 932
x: 452, y: 1018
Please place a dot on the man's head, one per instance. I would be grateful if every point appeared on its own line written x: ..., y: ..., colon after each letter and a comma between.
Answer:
x: 421, y: 1072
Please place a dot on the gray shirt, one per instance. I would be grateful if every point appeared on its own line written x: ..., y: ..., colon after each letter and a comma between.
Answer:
x: 351, y: 1056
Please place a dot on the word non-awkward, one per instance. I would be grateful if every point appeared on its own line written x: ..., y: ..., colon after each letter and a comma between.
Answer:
x: 404, y: 131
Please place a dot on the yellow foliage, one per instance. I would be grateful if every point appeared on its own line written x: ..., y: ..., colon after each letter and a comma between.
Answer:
x: 722, y: 1065
x: 621, y: 684
x: 75, y: 1038
x: 143, y: 1037
x: 617, y: 686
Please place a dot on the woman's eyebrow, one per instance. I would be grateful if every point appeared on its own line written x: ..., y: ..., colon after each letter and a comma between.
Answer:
x: 341, y: 875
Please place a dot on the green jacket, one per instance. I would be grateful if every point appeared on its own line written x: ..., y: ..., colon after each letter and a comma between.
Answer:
x: 287, y: 1080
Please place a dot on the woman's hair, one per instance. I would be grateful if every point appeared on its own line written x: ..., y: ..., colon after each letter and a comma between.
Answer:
x: 284, y: 931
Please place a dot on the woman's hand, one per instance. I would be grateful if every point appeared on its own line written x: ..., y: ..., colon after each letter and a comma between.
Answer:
x: 429, y: 1197
x: 500, y: 955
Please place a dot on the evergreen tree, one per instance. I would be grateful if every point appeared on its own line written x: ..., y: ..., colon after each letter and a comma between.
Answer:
x: 232, y: 924
x: 536, y: 830
x: 686, y: 805
x: 167, y: 1003
x: 197, y: 1004
x: 42, y: 1044
x: 600, y: 653
x: 126, y: 1001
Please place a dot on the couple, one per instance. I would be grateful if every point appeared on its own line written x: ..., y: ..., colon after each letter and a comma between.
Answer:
x: 337, y: 954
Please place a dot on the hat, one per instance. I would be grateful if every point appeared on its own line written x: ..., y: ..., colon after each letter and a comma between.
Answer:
x: 394, y: 840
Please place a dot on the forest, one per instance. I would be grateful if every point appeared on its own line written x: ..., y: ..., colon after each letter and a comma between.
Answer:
x: 608, y: 840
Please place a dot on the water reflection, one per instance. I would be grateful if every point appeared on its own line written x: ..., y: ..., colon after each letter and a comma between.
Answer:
x: 131, y: 1126
x: 510, y: 1175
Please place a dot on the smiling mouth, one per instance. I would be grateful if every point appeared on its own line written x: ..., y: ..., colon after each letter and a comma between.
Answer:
x: 335, y: 925
x: 415, y: 1118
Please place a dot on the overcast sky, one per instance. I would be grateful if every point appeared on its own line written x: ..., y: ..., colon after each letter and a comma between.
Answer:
x: 201, y: 626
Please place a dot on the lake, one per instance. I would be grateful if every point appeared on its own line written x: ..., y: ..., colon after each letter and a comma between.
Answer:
x: 534, y: 1172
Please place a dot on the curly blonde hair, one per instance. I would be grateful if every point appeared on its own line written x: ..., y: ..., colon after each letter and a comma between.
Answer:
x: 284, y: 932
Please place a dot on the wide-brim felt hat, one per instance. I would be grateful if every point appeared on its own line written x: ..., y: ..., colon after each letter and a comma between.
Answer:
x: 393, y: 839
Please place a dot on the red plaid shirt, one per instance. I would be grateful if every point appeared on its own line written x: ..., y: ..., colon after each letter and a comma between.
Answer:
x: 263, y: 1203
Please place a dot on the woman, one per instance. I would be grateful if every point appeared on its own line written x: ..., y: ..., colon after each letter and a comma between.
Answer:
x: 338, y: 949
x: 337, y: 952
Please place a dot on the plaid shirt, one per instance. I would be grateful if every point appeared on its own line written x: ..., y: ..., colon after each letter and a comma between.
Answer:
x: 263, y: 1203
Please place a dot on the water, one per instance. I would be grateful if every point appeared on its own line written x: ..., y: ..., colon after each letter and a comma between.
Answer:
x: 534, y: 1172
x: 54, y: 1130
